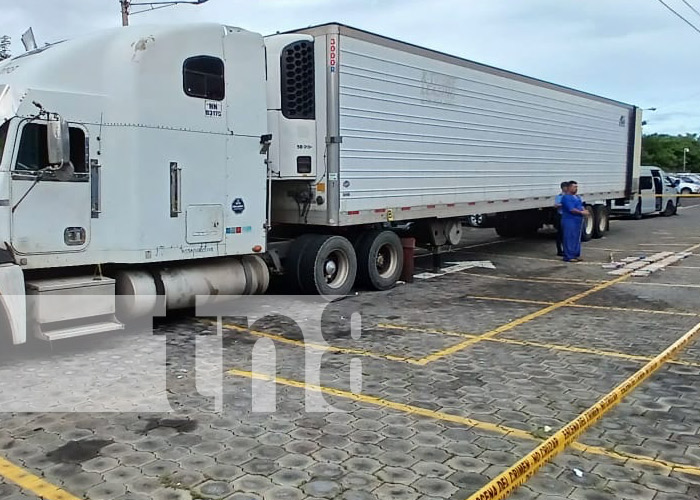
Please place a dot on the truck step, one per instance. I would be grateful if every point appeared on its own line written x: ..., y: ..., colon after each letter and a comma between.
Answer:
x: 79, y: 331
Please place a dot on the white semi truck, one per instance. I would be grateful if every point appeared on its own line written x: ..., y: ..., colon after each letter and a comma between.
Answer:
x: 157, y: 163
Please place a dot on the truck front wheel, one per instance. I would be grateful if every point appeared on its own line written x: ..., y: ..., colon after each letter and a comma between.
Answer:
x: 328, y: 266
x: 601, y: 223
x: 379, y: 259
x: 588, y: 226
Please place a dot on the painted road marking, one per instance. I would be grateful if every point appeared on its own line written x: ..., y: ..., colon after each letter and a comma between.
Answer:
x: 520, y: 321
x: 32, y: 483
x: 506, y: 482
x: 583, y: 306
x: 542, y: 345
x: 469, y: 422
x: 320, y: 347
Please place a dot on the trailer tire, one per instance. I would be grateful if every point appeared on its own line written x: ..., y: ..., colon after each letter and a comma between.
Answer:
x: 328, y: 266
x: 588, y: 225
x: 379, y: 259
x: 601, y: 223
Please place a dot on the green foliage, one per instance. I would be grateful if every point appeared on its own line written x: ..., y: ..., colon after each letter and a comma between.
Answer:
x: 4, y: 47
x: 666, y: 151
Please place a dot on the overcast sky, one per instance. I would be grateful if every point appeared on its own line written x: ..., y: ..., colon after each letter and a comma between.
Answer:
x: 634, y: 51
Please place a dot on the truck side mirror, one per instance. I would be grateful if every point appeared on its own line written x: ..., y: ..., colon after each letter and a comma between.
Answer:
x: 58, y: 141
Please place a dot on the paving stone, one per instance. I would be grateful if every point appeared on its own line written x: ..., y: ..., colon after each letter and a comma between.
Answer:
x: 290, y: 477
x: 106, y: 491
x: 252, y: 483
x: 395, y: 492
x: 434, y: 487
x: 630, y: 491
x: 100, y: 464
x: 359, y: 481
x: 322, y: 488
x: 284, y: 493
x: 214, y: 489
x: 397, y: 475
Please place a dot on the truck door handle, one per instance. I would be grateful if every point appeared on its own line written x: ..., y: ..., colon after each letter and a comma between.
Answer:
x: 175, y: 189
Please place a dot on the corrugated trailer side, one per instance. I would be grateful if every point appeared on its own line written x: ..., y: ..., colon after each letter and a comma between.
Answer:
x: 425, y: 134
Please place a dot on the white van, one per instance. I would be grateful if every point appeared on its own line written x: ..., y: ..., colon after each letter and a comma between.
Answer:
x: 656, y: 194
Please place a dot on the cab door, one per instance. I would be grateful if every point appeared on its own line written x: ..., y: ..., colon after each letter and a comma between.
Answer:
x: 658, y: 190
x: 646, y: 192
x: 51, y: 210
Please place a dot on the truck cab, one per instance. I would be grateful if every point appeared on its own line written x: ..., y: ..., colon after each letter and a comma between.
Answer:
x: 656, y: 195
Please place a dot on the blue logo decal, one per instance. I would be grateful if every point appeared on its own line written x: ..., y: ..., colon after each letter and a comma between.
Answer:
x: 238, y: 206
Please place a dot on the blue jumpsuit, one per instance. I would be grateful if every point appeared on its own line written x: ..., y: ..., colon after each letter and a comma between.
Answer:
x: 571, y: 226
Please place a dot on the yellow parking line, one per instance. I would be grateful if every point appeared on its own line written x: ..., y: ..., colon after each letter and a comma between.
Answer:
x: 667, y: 285
x: 506, y: 482
x: 321, y: 347
x: 542, y: 345
x: 520, y: 321
x: 582, y: 306
x: 448, y: 417
x: 32, y: 483
x: 530, y: 280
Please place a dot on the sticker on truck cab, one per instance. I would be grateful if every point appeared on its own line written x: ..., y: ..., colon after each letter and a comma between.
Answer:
x: 213, y: 108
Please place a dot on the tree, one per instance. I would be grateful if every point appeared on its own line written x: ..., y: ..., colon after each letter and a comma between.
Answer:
x: 4, y: 47
x: 666, y: 151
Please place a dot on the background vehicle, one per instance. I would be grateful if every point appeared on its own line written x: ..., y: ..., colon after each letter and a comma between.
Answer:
x: 655, y: 195
x: 686, y: 184
x: 147, y: 181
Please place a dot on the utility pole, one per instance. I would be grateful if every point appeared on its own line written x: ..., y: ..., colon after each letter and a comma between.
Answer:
x: 149, y: 5
x: 685, y: 151
x: 125, y: 12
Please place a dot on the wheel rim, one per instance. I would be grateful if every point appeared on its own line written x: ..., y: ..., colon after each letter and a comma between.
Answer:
x: 386, y: 260
x: 336, y: 268
x: 602, y: 221
x: 589, y: 224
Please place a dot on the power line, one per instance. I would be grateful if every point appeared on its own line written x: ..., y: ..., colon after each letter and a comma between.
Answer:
x: 691, y: 7
x: 679, y: 16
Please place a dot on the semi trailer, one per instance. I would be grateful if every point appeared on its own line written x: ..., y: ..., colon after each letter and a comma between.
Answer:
x: 141, y: 167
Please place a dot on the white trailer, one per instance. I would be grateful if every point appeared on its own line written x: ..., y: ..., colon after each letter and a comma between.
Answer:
x: 131, y: 166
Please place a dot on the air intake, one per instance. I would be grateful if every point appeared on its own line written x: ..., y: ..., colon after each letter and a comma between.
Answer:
x: 297, y: 73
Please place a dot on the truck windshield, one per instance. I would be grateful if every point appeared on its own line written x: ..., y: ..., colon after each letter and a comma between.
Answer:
x: 3, y: 137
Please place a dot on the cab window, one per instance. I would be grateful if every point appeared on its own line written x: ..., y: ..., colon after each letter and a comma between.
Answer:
x: 33, y: 153
x: 645, y: 182
x: 203, y: 77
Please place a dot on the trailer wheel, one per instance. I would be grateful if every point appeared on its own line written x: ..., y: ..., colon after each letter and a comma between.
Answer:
x: 601, y: 221
x: 328, y: 266
x: 588, y: 225
x: 379, y: 259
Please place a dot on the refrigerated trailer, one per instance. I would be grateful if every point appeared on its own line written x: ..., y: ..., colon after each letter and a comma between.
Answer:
x: 141, y: 167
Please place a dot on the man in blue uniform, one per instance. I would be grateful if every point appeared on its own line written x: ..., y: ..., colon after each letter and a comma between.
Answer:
x: 557, y: 221
x: 572, y: 212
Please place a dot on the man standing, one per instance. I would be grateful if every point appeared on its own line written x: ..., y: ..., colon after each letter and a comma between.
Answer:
x: 572, y: 212
x: 557, y: 221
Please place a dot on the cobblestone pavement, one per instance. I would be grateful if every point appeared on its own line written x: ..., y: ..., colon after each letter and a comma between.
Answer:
x: 426, y: 391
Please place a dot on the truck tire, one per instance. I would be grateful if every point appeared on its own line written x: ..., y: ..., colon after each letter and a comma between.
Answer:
x: 328, y: 266
x: 292, y: 262
x: 379, y: 259
x: 601, y: 221
x: 588, y: 225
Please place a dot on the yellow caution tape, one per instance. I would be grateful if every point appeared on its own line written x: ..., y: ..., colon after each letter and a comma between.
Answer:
x: 504, y: 484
